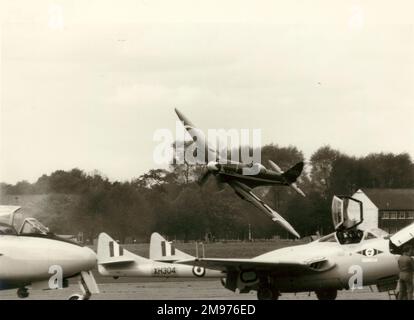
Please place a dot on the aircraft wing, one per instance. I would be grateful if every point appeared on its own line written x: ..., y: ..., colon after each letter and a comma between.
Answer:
x: 246, y: 193
x: 198, y: 136
x: 276, y: 267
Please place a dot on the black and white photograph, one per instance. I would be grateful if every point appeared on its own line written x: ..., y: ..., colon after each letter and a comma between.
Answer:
x: 219, y: 152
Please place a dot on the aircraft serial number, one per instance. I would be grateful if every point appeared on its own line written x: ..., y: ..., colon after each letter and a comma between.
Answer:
x: 228, y: 309
x: 164, y: 271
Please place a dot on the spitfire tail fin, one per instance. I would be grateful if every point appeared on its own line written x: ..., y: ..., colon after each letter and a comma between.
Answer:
x: 165, y: 251
x: 293, y: 173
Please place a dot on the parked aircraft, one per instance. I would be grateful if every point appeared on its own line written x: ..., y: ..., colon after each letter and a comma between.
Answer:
x: 115, y: 261
x: 346, y: 259
x: 234, y: 174
x: 37, y: 258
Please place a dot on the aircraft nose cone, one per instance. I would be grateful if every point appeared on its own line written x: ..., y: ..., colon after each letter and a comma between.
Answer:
x: 90, y: 258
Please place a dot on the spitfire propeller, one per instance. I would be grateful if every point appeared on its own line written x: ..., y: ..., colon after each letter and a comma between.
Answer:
x: 212, y: 168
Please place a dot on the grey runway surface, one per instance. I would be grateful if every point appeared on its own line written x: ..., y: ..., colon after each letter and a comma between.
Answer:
x: 181, y: 290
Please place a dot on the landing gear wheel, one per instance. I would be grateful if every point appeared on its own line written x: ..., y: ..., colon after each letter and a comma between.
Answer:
x: 22, y: 293
x: 327, y: 294
x: 78, y: 297
x: 275, y: 294
x: 266, y: 293
x: 87, y: 285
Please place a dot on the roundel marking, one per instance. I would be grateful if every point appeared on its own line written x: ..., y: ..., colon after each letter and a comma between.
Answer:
x: 199, y: 271
x: 370, y: 252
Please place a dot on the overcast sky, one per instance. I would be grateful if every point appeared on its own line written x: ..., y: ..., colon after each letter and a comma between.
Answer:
x: 86, y: 83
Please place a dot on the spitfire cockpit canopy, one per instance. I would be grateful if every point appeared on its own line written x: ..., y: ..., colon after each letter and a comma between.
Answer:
x: 258, y: 167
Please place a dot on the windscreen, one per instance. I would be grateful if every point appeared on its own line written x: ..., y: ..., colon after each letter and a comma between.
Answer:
x: 33, y: 226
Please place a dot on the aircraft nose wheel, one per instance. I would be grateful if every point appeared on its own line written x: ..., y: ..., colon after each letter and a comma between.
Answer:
x: 328, y: 294
x: 22, y: 293
x: 79, y: 297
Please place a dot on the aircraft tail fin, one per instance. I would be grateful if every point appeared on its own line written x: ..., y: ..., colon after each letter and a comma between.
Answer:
x: 293, y: 173
x: 111, y: 253
x: 165, y: 251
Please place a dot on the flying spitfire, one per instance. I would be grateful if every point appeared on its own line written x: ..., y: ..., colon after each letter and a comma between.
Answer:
x: 233, y: 173
x: 36, y: 258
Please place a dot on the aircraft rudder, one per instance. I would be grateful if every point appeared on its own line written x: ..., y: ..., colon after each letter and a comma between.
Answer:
x: 293, y: 173
x: 163, y: 250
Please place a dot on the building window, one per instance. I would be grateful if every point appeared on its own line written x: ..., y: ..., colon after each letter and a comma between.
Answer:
x: 410, y: 215
x: 401, y: 215
x: 385, y: 215
x: 393, y: 215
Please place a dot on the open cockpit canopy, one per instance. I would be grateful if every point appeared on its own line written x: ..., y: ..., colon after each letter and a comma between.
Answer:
x: 347, y: 212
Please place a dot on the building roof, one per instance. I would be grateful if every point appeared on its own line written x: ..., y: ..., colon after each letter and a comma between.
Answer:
x: 391, y: 199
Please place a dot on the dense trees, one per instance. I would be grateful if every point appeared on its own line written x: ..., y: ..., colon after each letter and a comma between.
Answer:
x: 171, y: 202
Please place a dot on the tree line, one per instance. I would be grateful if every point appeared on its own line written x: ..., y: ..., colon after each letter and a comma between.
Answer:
x: 171, y: 202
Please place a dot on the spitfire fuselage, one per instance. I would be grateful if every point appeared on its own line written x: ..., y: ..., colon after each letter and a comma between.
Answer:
x: 262, y: 176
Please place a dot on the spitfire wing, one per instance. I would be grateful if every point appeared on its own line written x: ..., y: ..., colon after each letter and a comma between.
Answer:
x: 282, y: 267
x: 246, y: 193
x: 199, y: 136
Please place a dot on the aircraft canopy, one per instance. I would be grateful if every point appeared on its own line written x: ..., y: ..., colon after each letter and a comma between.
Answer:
x: 33, y: 226
x: 29, y: 225
x: 346, y: 212
x: 7, y: 214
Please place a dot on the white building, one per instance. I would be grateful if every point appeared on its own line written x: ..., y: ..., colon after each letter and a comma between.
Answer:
x: 387, y: 209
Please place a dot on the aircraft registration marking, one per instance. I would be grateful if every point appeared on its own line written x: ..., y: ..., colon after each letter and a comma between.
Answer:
x: 164, y: 271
